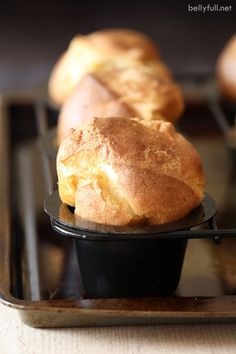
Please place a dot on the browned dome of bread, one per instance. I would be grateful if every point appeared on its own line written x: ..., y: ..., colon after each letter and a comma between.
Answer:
x: 86, y: 52
x: 124, y: 41
x: 226, y: 69
x: 90, y: 99
x: 122, y: 171
x: 122, y: 89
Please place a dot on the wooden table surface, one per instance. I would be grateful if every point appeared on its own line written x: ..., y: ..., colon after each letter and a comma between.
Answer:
x: 17, y: 338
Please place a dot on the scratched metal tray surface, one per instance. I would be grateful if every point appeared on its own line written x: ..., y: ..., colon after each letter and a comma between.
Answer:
x: 39, y: 274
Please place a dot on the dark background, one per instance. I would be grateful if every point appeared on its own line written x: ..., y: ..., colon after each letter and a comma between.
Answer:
x: 33, y: 34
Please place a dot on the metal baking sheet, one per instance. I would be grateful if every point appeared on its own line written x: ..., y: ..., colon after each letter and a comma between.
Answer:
x: 39, y: 274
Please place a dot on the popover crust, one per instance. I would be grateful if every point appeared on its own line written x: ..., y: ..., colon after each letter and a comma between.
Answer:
x: 122, y: 171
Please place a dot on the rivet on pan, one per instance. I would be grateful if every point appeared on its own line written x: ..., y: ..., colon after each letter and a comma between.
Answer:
x: 217, y: 240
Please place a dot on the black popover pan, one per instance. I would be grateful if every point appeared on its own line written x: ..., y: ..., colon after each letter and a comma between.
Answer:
x: 129, y: 261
